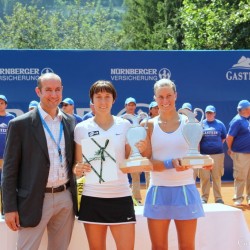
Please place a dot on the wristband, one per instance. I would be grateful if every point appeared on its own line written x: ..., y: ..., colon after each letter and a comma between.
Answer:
x: 168, y: 164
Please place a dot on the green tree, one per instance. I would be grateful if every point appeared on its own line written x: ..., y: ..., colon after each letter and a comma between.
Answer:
x: 186, y: 24
x: 6, y: 6
x: 138, y: 24
x: 216, y: 24
x: 24, y: 29
x: 74, y: 26
x: 88, y: 27
x: 152, y: 24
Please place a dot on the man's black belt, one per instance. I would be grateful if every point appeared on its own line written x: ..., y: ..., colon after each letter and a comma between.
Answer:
x: 57, y: 189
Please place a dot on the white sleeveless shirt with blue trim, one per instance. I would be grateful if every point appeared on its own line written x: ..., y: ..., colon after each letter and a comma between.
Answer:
x: 169, y: 146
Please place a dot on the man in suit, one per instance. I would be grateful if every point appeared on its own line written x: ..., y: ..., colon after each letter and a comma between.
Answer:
x: 38, y: 185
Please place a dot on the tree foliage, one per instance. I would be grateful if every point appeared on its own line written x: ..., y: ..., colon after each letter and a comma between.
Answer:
x: 151, y: 24
x: 75, y: 26
x: 216, y: 24
x: 24, y: 29
x: 187, y: 24
x: 125, y: 24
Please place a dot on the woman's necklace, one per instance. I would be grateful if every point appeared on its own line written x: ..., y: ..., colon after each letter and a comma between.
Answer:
x: 162, y: 122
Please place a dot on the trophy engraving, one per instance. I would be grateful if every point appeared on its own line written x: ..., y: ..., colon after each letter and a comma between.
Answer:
x: 192, y: 132
x: 136, y: 162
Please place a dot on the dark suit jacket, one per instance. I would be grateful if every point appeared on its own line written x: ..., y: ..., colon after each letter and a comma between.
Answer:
x: 26, y: 166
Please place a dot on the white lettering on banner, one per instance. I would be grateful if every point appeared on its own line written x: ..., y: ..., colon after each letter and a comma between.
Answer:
x: 19, y: 74
x: 240, y: 70
x: 130, y: 74
x: 22, y: 74
x: 134, y: 78
x: 18, y: 78
x: 134, y: 71
x: 238, y: 76
x: 19, y: 71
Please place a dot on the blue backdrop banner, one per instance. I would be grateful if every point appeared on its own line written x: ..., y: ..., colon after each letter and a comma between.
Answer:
x: 219, y: 78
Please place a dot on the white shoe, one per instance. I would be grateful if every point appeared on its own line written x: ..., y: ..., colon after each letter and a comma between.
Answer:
x: 248, y: 202
x: 238, y: 202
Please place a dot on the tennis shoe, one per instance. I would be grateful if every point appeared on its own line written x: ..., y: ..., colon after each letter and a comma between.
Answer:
x: 220, y: 201
x: 238, y: 202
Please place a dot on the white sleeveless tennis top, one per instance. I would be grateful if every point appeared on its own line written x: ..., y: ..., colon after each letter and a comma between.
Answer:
x: 169, y: 146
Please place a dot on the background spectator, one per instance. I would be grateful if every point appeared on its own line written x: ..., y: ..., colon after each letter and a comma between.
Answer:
x: 33, y: 104
x: 187, y: 105
x: 238, y: 142
x: 130, y: 106
x: 214, y: 135
x: 68, y: 107
x: 5, y: 117
x: 153, y: 109
x: 90, y: 113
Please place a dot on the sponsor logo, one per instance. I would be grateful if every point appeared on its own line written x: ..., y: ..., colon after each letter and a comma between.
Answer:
x: 93, y: 133
x: 239, y: 71
x: 21, y: 74
x: 46, y: 70
x: 139, y: 74
x: 210, y: 132
x: 3, y: 128
x: 164, y: 73
x: 129, y: 218
x: 3, y: 125
x: 243, y: 63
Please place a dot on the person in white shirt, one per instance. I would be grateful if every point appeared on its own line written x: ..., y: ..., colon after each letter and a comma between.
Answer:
x: 172, y: 194
x: 109, y: 203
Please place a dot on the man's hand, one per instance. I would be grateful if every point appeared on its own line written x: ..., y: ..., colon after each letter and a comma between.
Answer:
x: 12, y: 220
x: 229, y: 152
